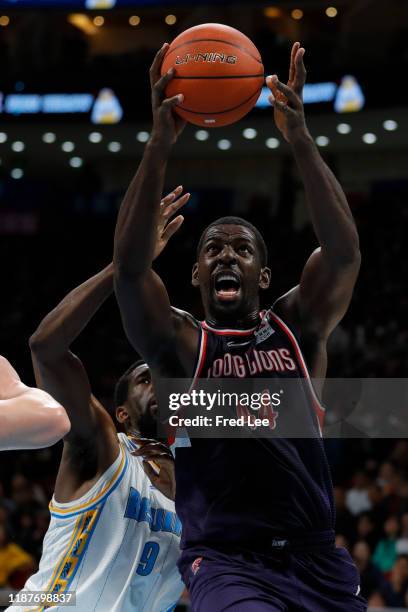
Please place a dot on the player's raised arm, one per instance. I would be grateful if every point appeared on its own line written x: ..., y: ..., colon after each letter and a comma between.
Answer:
x: 150, y: 327
x: 327, y: 282
x: 62, y: 374
x: 29, y: 418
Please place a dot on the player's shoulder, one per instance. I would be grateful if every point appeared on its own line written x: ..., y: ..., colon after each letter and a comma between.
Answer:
x: 182, y: 317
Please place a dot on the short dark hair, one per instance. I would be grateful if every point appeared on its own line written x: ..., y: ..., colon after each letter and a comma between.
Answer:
x: 122, y: 386
x: 263, y: 251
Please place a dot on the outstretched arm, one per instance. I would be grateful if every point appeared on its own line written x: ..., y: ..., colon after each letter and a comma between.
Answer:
x: 59, y: 371
x: 151, y: 327
x: 29, y: 418
x: 324, y: 293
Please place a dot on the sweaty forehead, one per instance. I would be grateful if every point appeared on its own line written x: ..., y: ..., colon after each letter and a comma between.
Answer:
x: 229, y: 232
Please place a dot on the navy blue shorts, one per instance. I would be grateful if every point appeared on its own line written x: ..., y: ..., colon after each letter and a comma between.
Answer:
x: 323, y: 581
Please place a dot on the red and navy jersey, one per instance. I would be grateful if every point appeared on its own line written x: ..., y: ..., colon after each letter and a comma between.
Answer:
x: 248, y: 492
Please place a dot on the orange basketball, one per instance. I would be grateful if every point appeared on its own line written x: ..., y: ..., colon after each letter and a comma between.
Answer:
x: 219, y: 71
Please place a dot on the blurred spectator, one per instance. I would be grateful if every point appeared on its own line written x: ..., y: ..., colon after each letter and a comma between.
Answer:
x: 402, y: 542
x: 367, y: 530
x: 341, y: 541
x: 16, y: 565
x: 394, y: 591
x: 385, y: 553
x: 357, y: 498
x: 371, y: 577
x: 387, y: 478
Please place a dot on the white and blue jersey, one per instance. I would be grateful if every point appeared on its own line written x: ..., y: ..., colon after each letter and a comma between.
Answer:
x: 116, y: 547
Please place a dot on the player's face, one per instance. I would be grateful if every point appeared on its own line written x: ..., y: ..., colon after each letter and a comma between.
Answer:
x: 229, y: 271
x: 141, y: 402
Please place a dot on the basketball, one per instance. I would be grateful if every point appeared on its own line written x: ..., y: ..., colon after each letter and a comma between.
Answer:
x: 218, y: 70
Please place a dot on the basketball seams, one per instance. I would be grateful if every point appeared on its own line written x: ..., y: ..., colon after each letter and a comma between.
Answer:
x: 227, y: 110
x: 226, y: 42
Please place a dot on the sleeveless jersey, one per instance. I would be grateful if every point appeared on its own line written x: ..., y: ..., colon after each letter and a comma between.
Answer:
x: 250, y: 492
x: 116, y: 547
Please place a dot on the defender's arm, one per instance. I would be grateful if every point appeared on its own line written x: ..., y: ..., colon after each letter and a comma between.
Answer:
x: 61, y: 372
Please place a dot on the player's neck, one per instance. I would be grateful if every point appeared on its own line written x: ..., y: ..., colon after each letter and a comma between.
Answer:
x: 248, y: 321
x: 133, y: 432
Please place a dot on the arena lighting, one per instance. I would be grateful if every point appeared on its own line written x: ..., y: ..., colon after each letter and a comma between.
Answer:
x: 76, y: 162
x: 98, y: 21
x: 134, y: 20
x: 369, y: 138
x: 322, y: 141
x: 114, y: 146
x: 390, y: 125
x: 297, y: 14
x: 272, y: 143
x: 343, y: 128
x: 142, y: 136
x: 202, y: 135
x: 273, y: 12
x: 4, y: 21
x: 331, y: 11
x: 3, y: 137
x: 249, y: 133
x: 18, y: 146
x: 95, y: 137
x: 68, y: 146
x: 49, y: 137
x: 170, y: 19
x: 100, y: 4
x: 224, y: 144
x: 17, y: 173
x: 83, y: 23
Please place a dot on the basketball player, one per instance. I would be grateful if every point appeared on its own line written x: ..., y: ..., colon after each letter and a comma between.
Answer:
x: 29, y: 418
x: 113, y: 539
x: 257, y: 515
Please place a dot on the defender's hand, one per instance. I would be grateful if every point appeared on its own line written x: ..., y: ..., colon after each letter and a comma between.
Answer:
x: 165, y: 228
x: 167, y: 126
x: 158, y: 464
x: 287, y: 99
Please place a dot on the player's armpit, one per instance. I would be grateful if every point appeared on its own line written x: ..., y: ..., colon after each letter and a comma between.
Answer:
x: 157, y: 331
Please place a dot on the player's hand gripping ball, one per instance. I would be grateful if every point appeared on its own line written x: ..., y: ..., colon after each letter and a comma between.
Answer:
x: 218, y: 70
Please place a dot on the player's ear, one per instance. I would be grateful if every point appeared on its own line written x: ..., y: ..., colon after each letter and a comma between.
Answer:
x: 194, y: 276
x: 121, y: 414
x: 265, y: 278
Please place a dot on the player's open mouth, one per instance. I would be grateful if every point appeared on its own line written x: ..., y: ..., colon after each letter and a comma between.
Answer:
x: 227, y: 286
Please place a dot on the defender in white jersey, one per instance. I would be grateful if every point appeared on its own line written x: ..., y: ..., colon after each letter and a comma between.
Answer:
x: 113, y: 536
x: 116, y: 546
